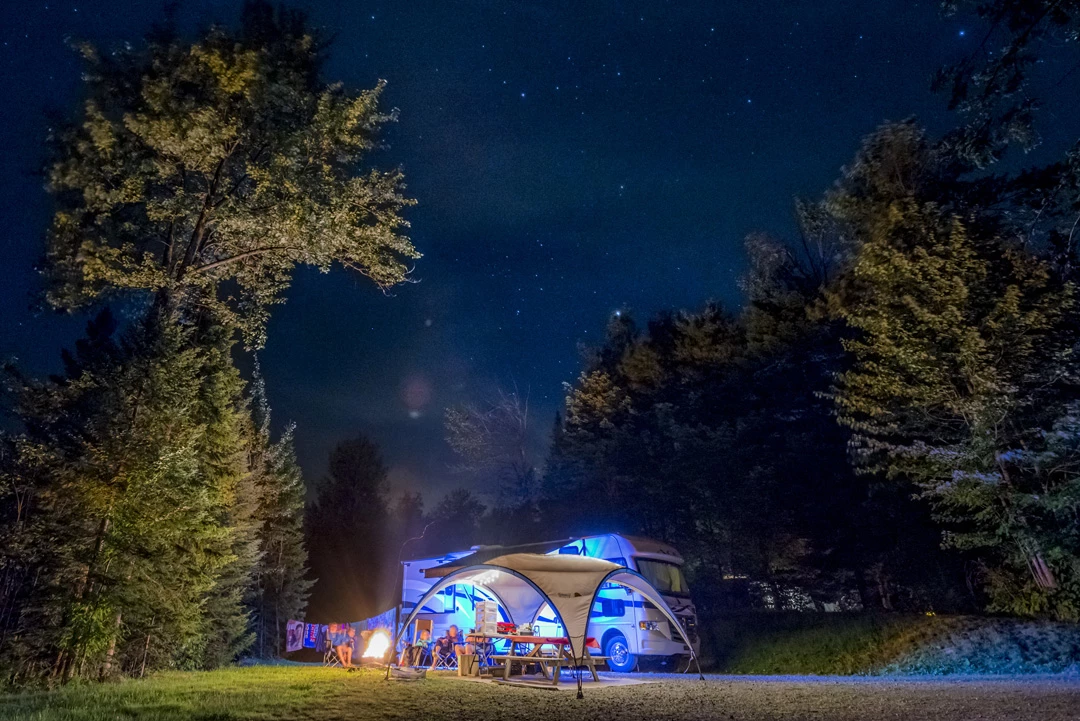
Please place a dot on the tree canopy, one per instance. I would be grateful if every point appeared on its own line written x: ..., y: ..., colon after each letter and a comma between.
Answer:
x: 208, y: 170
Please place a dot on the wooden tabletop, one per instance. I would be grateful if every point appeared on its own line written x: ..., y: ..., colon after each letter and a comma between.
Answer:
x: 521, y: 638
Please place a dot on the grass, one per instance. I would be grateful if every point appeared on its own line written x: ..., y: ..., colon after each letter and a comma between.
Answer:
x: 772, y: 644
x: 848, y: 644
x: 261, y: 692
x: 307, y: 693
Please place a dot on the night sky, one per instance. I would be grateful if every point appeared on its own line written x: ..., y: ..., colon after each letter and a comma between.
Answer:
x: 570, y: 158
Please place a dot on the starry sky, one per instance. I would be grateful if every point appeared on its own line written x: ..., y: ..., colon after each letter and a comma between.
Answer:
x: 570, y: 158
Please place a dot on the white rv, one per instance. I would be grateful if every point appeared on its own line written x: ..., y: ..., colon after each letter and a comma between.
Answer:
x: 627, y: 626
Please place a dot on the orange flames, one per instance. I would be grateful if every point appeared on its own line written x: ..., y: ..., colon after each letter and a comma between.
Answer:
x: 377, y: 645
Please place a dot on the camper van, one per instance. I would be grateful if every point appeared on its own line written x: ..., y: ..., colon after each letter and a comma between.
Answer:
x: 628, y: 627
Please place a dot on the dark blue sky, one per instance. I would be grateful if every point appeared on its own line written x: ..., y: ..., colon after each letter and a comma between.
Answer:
x: 570, y: 157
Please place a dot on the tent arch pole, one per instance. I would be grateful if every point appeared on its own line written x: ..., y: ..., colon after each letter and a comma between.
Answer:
x: 448, y: 580
x: 662, y: 607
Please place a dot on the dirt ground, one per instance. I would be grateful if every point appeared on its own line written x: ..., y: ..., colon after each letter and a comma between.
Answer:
x: 745, y: 698
x: 321, y: 694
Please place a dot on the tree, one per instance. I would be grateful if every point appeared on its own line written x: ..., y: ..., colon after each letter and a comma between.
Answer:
x: 195, y: 177
x: 992, y: 87
x: 122, y: 531
x: 963, y: 365
x: 494, y: 446
x: 224, y: 161
x: 281, y: 588
x: 456, y: 521
x: 347, y: 535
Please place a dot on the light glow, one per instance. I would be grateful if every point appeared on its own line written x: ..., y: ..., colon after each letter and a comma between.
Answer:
x: 377, y: 645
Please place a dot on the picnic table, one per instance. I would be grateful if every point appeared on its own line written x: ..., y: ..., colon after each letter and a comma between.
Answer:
x: 560, y: 653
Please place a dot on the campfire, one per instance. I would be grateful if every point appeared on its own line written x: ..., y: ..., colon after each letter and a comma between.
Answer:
x: 377, y: 646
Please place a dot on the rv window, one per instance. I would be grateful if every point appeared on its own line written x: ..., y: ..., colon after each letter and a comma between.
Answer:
x: 665, y: 577
x: 611, y: 607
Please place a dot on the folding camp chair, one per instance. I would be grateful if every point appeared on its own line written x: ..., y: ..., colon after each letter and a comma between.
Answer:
x: 443, y: 659
x: 416, y: 655
x: 330, y: 659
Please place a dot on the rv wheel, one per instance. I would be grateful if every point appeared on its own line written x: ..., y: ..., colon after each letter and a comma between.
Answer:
x: 620, y: 659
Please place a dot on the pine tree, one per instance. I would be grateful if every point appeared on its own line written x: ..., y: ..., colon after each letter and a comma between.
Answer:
x: 281, y: 587
x: 123, y: 533
x: 348, y: 535
x: 226, y: 621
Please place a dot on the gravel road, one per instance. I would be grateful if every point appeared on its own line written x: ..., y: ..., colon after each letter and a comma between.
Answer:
x: 819, y: 698
x: 301, y: 693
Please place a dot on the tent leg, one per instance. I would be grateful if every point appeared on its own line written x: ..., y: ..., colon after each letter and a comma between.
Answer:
x: 393, y: 643
x: 577, y: 672
x: 701, y: 676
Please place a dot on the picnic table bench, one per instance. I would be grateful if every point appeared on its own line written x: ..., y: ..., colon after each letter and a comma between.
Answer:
x: 550, y: 663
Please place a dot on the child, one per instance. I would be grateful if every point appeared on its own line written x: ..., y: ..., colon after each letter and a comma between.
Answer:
x: 412, y: 654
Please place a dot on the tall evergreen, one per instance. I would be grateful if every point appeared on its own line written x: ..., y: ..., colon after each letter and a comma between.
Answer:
x: 281, y: 588
x: 224, y: 457
x: 348, y: 535
x: 122, y: 533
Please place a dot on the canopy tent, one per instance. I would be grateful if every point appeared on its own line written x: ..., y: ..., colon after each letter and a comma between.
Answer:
x: 523, y: 582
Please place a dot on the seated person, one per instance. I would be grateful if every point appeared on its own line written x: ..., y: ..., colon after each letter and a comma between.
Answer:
x: 446, y: 646
x: 412, y: 654
x: 344, y: 642
x: 465, y: 647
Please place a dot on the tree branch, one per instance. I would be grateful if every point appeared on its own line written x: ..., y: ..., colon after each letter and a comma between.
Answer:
x: 241, y: 256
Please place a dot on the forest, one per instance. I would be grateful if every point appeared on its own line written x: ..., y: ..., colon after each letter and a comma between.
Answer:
x: 889, y: 422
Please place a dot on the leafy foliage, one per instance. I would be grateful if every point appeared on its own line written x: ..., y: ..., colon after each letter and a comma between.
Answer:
x: 225, y: 160
x: 964, y: 367
x: 992, y: 87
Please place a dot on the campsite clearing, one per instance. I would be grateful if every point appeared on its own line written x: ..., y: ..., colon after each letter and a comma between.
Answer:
x: 319, y: 694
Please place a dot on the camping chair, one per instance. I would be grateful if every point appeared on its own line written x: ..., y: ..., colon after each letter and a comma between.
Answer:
x: 330, y: 659
x: 417, y: 656
x: 485, y: 649
x: 443, y: 659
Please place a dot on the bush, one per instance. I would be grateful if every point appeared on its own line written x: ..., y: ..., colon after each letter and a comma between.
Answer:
x: 845, y: 644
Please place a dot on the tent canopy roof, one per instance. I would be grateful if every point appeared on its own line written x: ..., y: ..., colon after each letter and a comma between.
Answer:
x: 485, y: 554
x: 523, y: 582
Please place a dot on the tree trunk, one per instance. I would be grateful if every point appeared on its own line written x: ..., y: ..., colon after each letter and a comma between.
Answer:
x: 146, y: 647
x: 106, y: 669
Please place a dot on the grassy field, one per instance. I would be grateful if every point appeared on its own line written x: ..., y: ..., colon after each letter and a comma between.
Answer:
x: 318, y: 694
x: 891, y: 644
x: 919, y: 646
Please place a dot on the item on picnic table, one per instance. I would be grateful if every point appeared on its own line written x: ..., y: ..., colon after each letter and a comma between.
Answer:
x: 506, y: 628
x: 487, y: 617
